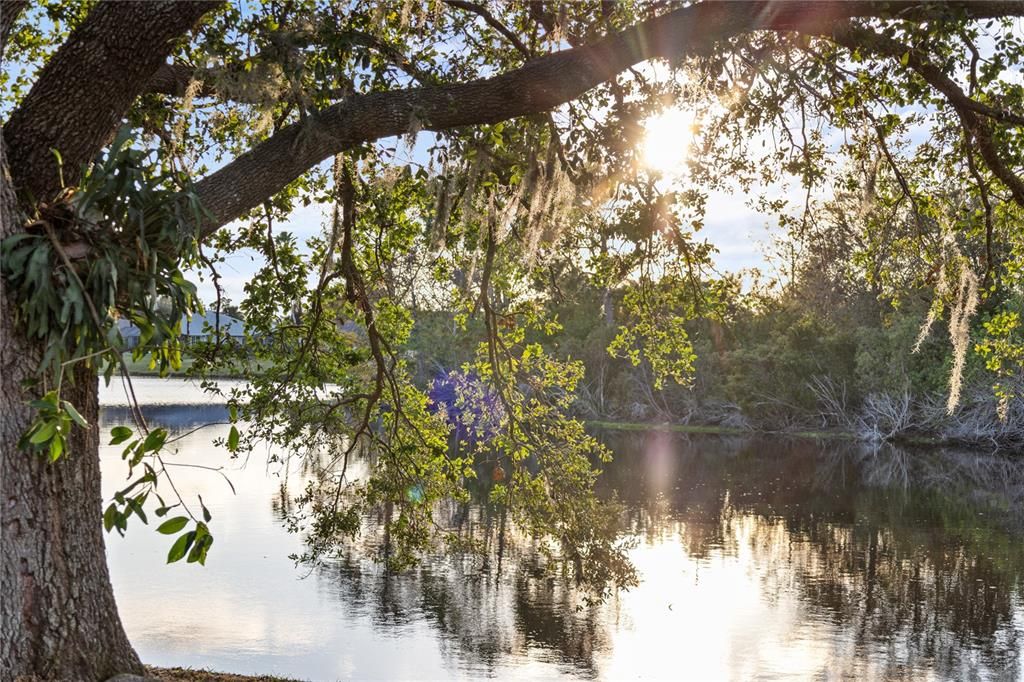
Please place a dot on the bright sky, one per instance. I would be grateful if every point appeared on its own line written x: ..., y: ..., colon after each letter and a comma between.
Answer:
x: 738, y: 232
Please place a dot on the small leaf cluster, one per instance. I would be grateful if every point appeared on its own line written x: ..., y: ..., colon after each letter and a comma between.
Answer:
x: 113, y: 247
x: 131, y: 500
x: 51, y: 429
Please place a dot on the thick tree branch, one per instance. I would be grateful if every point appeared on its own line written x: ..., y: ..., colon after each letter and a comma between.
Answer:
x: 481, y: 11
x: 9, y: 12
x: 540, y: 85
x: 975, y: 116
x: 174, y: 79
x: 83, y: 92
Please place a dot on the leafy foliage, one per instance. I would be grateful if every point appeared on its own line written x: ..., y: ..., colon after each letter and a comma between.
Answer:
x: 507, y: 252
x: 113, y: 248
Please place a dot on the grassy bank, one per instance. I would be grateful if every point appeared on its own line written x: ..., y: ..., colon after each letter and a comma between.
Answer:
x: 141, y: 368
x: 716, y: 430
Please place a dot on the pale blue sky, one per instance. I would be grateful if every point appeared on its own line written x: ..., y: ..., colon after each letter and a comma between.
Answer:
x: 739, y: 233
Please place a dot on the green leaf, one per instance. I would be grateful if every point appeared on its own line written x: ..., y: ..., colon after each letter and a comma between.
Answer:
x: 119, y: 434
x: 206, y: 512
x: 198, y: 552
x: 207, y: 542
x: 135, y: 504
x: 44, y: 433
x: 56, y: 448
x: 172, y: 526
x: 110, y: 517
x: 180, y: 547
x: 233, y: 440
x: 75, y: 415
x: 155, y: 440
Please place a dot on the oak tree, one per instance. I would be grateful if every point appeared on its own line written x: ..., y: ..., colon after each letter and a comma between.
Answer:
x: 142, y: 140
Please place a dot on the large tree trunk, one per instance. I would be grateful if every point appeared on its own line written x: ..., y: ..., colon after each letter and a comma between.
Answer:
x: 81, y: 96
x: 58, y: 619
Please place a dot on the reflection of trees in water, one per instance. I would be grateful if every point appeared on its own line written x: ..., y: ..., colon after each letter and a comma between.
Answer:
x: 493, y: 602
x: 177, y: 419
x: 485, y: 616
x: 901, y: 561
x: 911, y: 554
x: 937, y: 604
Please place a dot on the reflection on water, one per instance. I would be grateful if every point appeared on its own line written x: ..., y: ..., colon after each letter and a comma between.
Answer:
x: 758, y: 559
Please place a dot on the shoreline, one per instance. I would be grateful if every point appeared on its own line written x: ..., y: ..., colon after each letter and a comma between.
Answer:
x: 201, y: 675
x: 828, y: 435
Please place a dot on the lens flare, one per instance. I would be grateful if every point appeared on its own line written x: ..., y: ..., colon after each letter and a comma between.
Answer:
x: 667, y: 139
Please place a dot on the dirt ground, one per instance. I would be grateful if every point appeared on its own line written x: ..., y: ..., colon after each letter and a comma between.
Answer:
x: 189, y: 675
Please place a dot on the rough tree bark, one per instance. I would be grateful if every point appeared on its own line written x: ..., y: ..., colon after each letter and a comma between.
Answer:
x: 104, y: 64
x: 9, y: 12
x: 58, y: 618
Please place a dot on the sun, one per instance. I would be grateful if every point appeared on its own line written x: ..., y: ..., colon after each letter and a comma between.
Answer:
x: 667, y: 139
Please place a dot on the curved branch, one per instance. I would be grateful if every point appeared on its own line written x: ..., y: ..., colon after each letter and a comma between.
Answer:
x: 540, y: 85
x: 851, y: 36
x: 84, y: 91
x: 493, y: 22
x: 970, y: 111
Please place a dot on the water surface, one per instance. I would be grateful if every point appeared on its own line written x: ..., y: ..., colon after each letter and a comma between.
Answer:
x: 758, y: 559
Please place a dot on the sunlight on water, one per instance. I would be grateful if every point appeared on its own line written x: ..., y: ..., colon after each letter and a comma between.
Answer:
x: 758, y: 559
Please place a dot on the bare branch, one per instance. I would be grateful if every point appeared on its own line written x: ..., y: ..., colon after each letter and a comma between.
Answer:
x: 986, y: 204
x: 493, y: 22
x: 174, y: 79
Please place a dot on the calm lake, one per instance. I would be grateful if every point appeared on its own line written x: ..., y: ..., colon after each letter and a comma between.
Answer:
x: 758, y: 559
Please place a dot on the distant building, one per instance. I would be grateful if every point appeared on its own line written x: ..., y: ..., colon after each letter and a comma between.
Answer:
x: 194, y: 328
